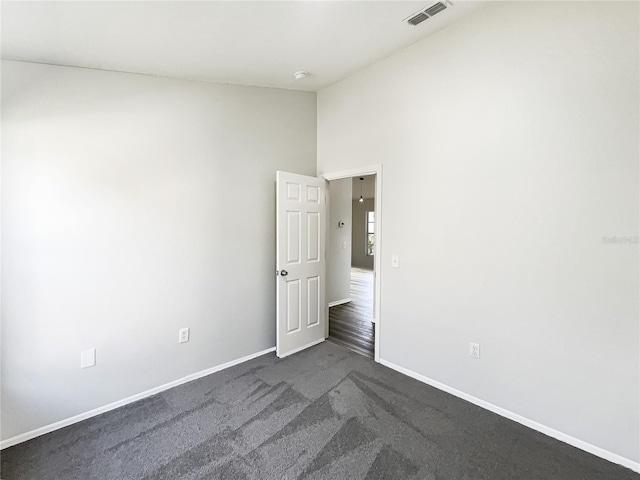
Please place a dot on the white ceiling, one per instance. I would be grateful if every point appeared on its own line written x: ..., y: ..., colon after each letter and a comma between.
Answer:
x: 241, y: 42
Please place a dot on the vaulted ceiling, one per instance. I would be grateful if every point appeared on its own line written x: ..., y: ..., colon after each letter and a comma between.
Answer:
x: 241, y: 42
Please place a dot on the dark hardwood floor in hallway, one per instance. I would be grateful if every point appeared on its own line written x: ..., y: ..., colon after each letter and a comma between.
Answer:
x: 350, y: 323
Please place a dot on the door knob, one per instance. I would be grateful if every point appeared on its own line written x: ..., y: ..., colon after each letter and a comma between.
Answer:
x: 284, y: 273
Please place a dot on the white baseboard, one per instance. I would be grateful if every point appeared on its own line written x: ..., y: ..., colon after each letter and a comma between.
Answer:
x: 339, y: 302
x: 299, y: 349
x: 563, y: 437
x: 23, y: 437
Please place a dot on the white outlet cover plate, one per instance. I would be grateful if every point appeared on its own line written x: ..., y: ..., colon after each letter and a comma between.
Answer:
x: 183, y: 335
x: 395, y: 261
x: 474, y: 350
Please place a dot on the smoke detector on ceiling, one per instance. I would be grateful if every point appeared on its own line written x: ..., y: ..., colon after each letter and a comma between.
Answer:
x: 420, y: 16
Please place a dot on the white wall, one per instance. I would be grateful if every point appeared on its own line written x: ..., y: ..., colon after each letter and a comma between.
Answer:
x: 359, y: 257
x: 512, y: 136
x: 133, y: 206
x: 339, y: 252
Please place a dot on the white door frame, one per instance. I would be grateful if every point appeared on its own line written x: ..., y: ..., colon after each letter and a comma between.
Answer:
x: 377, y: 261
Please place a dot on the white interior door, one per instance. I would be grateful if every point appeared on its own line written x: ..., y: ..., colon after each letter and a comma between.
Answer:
x: 300, y: 262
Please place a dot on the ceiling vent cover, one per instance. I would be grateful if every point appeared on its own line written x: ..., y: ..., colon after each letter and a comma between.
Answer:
x: 428, y: 12
x: 415, y: 20
x: 436, y: 8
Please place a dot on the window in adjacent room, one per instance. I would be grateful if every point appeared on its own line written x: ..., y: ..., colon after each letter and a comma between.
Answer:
x: 370, y: 232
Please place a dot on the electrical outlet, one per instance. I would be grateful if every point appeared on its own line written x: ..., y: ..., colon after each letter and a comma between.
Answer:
x: 474, y: 350
x: 183, y: 335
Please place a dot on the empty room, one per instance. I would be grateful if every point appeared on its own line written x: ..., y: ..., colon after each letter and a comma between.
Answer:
x: 181, y: 224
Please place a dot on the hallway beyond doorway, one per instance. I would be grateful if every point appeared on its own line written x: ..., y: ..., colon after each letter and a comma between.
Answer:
x: 350, y: 323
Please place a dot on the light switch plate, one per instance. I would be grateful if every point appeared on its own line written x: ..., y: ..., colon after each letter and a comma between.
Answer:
x: 395, y: 261
x: 88, y: 358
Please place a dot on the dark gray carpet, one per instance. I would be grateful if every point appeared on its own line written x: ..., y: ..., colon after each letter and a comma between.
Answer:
x: 325, y: 413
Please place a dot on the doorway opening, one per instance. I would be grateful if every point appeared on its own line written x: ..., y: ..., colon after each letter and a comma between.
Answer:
x: 352, y: 251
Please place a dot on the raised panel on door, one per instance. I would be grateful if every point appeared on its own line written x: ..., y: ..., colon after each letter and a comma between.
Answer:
x: 313, y: 237
x: 294, y: 237
x: 294, y: 305
x: 313, y: 194
x: 313, y: 302
x: 294, y: 192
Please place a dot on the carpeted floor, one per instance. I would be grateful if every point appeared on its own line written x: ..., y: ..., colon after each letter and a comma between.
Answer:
x: 325, y: 413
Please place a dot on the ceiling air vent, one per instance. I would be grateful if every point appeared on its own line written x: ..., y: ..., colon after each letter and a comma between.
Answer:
x: 415, y: 20
x: 428, y: 12
x: 436, y: 8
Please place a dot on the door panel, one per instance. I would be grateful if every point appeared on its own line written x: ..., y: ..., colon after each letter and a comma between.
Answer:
x: 313, y: 237
x: 300, y: 262
x: 313, y: 302
x: 293, y: 303
x: 294, y: 238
